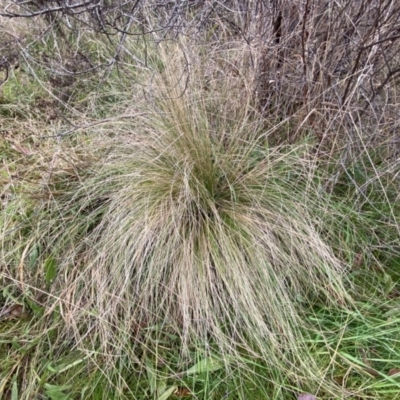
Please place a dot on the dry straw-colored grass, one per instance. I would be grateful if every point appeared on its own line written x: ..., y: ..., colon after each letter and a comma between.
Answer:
x: 190, y: 222
x: 210, y: 215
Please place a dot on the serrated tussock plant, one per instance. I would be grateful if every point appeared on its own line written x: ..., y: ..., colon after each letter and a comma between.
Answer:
x: 192, y: 222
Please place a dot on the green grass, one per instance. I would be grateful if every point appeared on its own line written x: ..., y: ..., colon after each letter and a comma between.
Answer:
x: 356, y: 351
x: 184, y: 252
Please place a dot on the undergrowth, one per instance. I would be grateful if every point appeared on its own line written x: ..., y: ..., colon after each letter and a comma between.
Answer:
x: 168, y: 244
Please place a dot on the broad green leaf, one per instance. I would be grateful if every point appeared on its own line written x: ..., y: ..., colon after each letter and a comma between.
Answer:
x: 161, y: 387
x: 65, y: 367
x: 72, y: 364
x: 38, y: 310
x: 50, y: 270
x: 14, y: 390
x: 151, y: 376
x: 55, y: 392
x: 388, y: 284
x: 33, y: 256
x: 168, y: 393
x: 15, y: 343
x: 52, y: 369
x: 207, y: 365
x: 83, y: 393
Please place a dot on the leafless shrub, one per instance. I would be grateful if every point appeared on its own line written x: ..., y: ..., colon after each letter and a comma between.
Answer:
x: 333, y: 66
x: 330, y: 69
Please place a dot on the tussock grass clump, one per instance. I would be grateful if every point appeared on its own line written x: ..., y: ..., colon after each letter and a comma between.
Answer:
x: 208, y: 236
x: 194, y: 224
